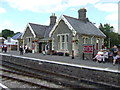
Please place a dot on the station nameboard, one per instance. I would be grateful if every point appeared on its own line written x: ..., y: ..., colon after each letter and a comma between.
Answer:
x: 88, y: 49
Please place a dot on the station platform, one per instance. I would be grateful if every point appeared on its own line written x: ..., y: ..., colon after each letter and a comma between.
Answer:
x: 108, y: 66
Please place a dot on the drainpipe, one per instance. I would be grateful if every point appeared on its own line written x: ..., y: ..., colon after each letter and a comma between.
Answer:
x: 93, y: 46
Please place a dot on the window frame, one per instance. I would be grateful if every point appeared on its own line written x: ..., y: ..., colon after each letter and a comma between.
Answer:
x: 85, y: 39
x: 63, y: 44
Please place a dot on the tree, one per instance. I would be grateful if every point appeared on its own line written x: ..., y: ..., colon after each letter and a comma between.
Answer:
x: 0, y: 34
x: 7, y: 33
x: 112, y: 38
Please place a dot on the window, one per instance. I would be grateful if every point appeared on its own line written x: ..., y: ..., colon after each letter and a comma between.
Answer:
x: 62, y: 41
x: 85, y: 40
x: 63, y: 38
x: 67, y: 38
x: 58, y: 42
x: 58, y: 38
x: 97, y: 44
x: 29, y: 39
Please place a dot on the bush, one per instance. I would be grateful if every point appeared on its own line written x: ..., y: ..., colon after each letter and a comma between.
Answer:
x: 66, y: 54
x: 54, y: 52
x: 60, y: 53
x: 29, y: 51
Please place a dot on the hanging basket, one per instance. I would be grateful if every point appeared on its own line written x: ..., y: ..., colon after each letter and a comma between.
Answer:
x: 73, y: 41
x: 77, y: 41
x: 35, y: 41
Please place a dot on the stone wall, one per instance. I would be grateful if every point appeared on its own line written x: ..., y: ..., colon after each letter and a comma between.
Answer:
x: 100, y: 76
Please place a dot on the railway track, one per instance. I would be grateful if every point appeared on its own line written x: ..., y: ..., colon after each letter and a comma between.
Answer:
x: 25, y: 81
x: 15, y: 82
x: 62, y: 80
x: 13, y: 77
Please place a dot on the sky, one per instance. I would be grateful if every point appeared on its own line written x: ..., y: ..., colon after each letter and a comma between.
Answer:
x: 16, y: 14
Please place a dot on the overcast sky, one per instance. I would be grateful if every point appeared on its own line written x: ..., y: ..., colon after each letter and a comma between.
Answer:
x: 15, y: 14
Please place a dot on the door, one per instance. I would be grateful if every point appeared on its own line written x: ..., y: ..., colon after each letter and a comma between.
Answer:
x: 40, y: 47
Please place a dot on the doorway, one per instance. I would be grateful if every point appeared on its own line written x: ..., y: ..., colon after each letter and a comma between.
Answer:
x: 40, y: 47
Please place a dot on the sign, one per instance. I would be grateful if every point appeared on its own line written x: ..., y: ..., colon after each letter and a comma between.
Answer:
x: 88, y: 49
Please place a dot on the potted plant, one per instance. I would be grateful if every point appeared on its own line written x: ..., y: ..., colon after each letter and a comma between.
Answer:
x: 60, y: 53
x: 76, y: 41
x: 66, y: 54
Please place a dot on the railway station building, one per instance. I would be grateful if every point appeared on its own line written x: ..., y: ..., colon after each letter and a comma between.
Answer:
x: 36, y: 36
x: 67, y: 35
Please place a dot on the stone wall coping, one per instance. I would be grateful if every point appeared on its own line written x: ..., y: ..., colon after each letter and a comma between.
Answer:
x: 66, y: 64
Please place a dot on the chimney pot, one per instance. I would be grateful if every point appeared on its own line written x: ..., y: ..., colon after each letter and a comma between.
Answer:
x: 53, y: 19
x: 82, y: 14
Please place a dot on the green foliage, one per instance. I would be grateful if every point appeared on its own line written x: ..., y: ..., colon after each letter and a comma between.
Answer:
x: 112, y: 38
x: 0, y: 34
x: 7, y: 33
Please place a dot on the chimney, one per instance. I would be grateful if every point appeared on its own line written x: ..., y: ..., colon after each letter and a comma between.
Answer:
x: 82, y: 14
x: 53, y: 19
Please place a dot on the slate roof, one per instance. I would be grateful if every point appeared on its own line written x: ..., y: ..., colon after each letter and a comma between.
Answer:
x: 41, y: 31
x: 17, y: 36
x: 86, y: 28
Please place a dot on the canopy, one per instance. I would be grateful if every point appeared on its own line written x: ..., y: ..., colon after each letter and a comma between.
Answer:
x: 11, y: 42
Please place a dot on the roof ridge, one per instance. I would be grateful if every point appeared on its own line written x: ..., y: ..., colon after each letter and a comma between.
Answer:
x: 87, y: 20
x: 38, y: 24
x: 84, y: 27
x: 71, y: 17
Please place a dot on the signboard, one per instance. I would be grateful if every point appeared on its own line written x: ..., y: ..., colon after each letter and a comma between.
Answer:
x: 88, y: 49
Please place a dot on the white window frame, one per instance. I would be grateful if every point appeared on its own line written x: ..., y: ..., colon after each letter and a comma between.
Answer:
x: 59, y: 42
x: 85, y: 39
x: 98, y: 41
x: 65, y: 43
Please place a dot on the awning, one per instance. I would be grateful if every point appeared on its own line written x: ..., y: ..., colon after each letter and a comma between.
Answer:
x: 48, y: 39
x: 11, y: 42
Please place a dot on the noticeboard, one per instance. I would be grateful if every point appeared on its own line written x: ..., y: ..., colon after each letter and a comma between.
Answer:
x: 87, y: 48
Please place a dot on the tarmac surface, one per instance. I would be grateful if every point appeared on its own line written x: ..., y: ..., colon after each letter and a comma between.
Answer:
x: 69, y: 60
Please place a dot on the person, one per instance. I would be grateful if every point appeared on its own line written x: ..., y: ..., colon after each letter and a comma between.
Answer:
x: 25, y: 49
x: 46, y: 48
x: 43, y: 50
x: 2, y: 48
x: 5, y: 48
x: 21, y: 50
x: 9, y: 48
x: 99, y: 57
x: 114, y: 50
x: 33, y: 48
x: 118, y: 57
x: 105, y: 56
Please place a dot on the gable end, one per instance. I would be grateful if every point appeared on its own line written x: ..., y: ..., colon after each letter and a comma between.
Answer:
x: 66, y: 22
x: 28, y: 25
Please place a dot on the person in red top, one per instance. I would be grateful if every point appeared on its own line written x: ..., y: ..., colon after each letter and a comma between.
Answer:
x: 5, y: 48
